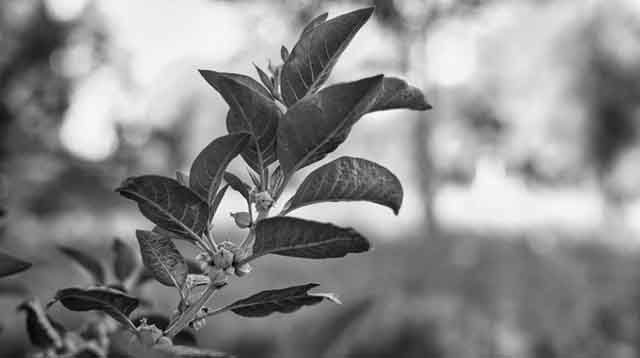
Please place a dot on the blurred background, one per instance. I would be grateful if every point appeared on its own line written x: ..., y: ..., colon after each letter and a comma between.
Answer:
x: 520, y: 228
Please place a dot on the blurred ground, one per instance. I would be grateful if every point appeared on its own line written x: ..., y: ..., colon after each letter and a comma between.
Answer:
x: 519, y: 232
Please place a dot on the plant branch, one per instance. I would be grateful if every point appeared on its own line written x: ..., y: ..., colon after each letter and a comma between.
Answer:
x: 191, y: 312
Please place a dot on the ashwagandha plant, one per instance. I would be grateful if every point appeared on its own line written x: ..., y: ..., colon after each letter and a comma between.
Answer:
x: 287, y: 123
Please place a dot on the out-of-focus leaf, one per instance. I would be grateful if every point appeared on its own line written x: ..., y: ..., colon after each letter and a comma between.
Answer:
x: 10, y: 265
x: 237, y: 184
x: 168, y: 204
x: 43, y: 331
x: 13, y: 288
x: 317, y: 51
x: 87, y: 262
x: 318, y: 124
x: 182, y: 178
x: 295, y: 237
x: 396, y: 93
x: 124, y: 260
x: 209, y: 166
x: 251, y: 110
x: 162, y: 258
x: 112, y: 302
x: 349, y: 179
x: 192, y: 352
x: 285, y: 300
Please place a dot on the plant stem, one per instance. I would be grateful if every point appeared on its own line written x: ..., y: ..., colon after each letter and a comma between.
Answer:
x: 191, y: 312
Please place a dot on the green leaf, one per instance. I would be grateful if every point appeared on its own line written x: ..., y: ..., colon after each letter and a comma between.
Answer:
x: 285, y: 300
x: 168, y: 204
x: 237, y: 184
x: 124, y: 259
x: 266, y: 80
x: 217, y: 200
x: 318, y: 124
x: 295, y: 237
x: 87, y: 262
x: 314, y: 23
x: 209, y: 166
x: 162, y: 258
x: 192, y: 352
x: 396, y: 93
x: 349, y: 179
x: 317, y: 51
x: 251, y: 110
x: 182, y: 178
x: 43, y: 331
x: 10, y: 265
x: 112, y: 302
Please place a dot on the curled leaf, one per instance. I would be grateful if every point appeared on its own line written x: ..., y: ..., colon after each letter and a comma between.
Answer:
x: 87, y: 262
x: 295, y: 237
x: 161, y: 257
x: 349, y: 179
x: 396, y: 93
x: 237, y: 184
x: 285, y: 300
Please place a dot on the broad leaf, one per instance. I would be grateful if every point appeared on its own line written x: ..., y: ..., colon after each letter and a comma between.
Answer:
x: 289, y: 236
x: 43, y: 331
x: 209, y: 166
x: 317, y: 51
x: 124, y: 259
x: 396, y: 93
x: 168, y: 204
x: 87, y: 262
x: 349, y: 179
x: 314, y: 23
x: 285, y: 300
x: 112, y: 302
x: 251, y: 110
x: 162, y: 258
x: 318, y: 124
x: 10, y: 265
x: 237, y: 184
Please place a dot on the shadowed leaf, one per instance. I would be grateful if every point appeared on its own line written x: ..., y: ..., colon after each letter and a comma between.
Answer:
x: 10, y: 265
x: 317, y: 51
x: 237, y: 184
x: 42, y: 330
x: 349, y: 179
x: 162, y: 258
x: 251, y: 110
x: 209, y: 166
x: 295, y: 237
x: 124, y: 260
x: 112, y: 302
x: 285, y: 300
x: 168, y: 204
x: 318, y: 124
x: 87, y: 262
x: 396, y: 94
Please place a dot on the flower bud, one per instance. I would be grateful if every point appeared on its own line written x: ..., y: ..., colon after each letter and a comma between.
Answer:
x: 264, y: 201
x: 148, y: 334
x: 223, y: 258
x: 218, y: 277
x: 242, y: 219
x: 242, y: 270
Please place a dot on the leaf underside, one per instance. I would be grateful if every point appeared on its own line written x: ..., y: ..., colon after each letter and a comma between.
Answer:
x: 313, y: 57
x: 296, y: 237
x: 161, y: 257
x: 285, y: 300
x: 349, y: 179
x: 10, y: 265
x: 168, y: 204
